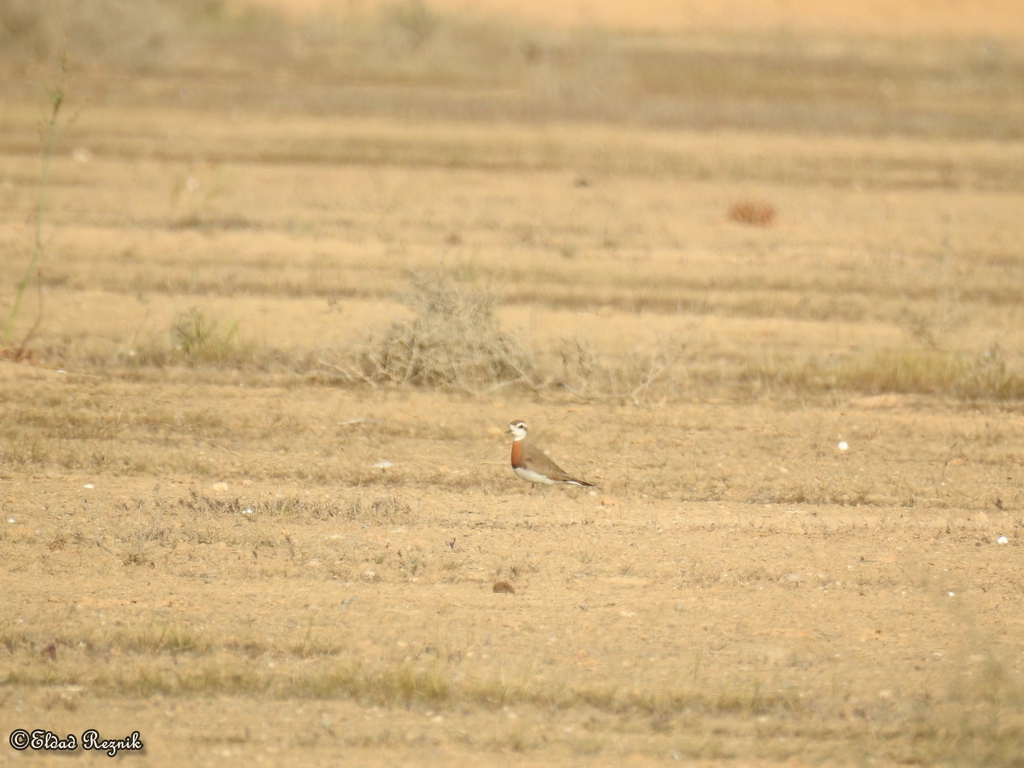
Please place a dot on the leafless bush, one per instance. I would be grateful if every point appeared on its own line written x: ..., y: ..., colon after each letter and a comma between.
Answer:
x: 637, y: 377
x: 453, y: 342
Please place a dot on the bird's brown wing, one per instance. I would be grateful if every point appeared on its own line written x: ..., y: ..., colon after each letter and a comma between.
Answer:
x: 538, y: 461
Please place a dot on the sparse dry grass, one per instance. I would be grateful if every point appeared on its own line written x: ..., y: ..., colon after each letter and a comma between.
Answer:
x: 962, y: 376
x: 886, y: 289
x: 439, y: 64
x: 756, y: 691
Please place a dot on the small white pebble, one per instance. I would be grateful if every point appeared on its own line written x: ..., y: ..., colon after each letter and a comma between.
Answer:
x: 1002, y: 540
x: 90, y: 486
x: 247, y: 511
x: 11, y: 520
x: 952, y: 594
x: 843, y: 445
x: 383, y: 465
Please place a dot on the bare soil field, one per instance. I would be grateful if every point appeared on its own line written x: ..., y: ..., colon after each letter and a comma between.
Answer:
x: 271, y: 298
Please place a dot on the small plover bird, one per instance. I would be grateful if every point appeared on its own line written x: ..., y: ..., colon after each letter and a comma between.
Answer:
x: 531, y: 463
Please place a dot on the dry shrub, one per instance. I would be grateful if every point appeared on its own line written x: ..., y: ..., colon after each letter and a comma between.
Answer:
x: 200, y: 339
x: 196, y: 340
x: 637, y: 377
x: 754, y: 213
x: 453, y: 342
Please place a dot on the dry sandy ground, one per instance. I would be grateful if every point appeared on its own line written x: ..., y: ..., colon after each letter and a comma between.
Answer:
x: 805, y: 546
x: 273, y: 619
x: 210, y: 555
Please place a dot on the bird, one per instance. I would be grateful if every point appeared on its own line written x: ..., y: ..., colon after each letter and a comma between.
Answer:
x: 530, y: 463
